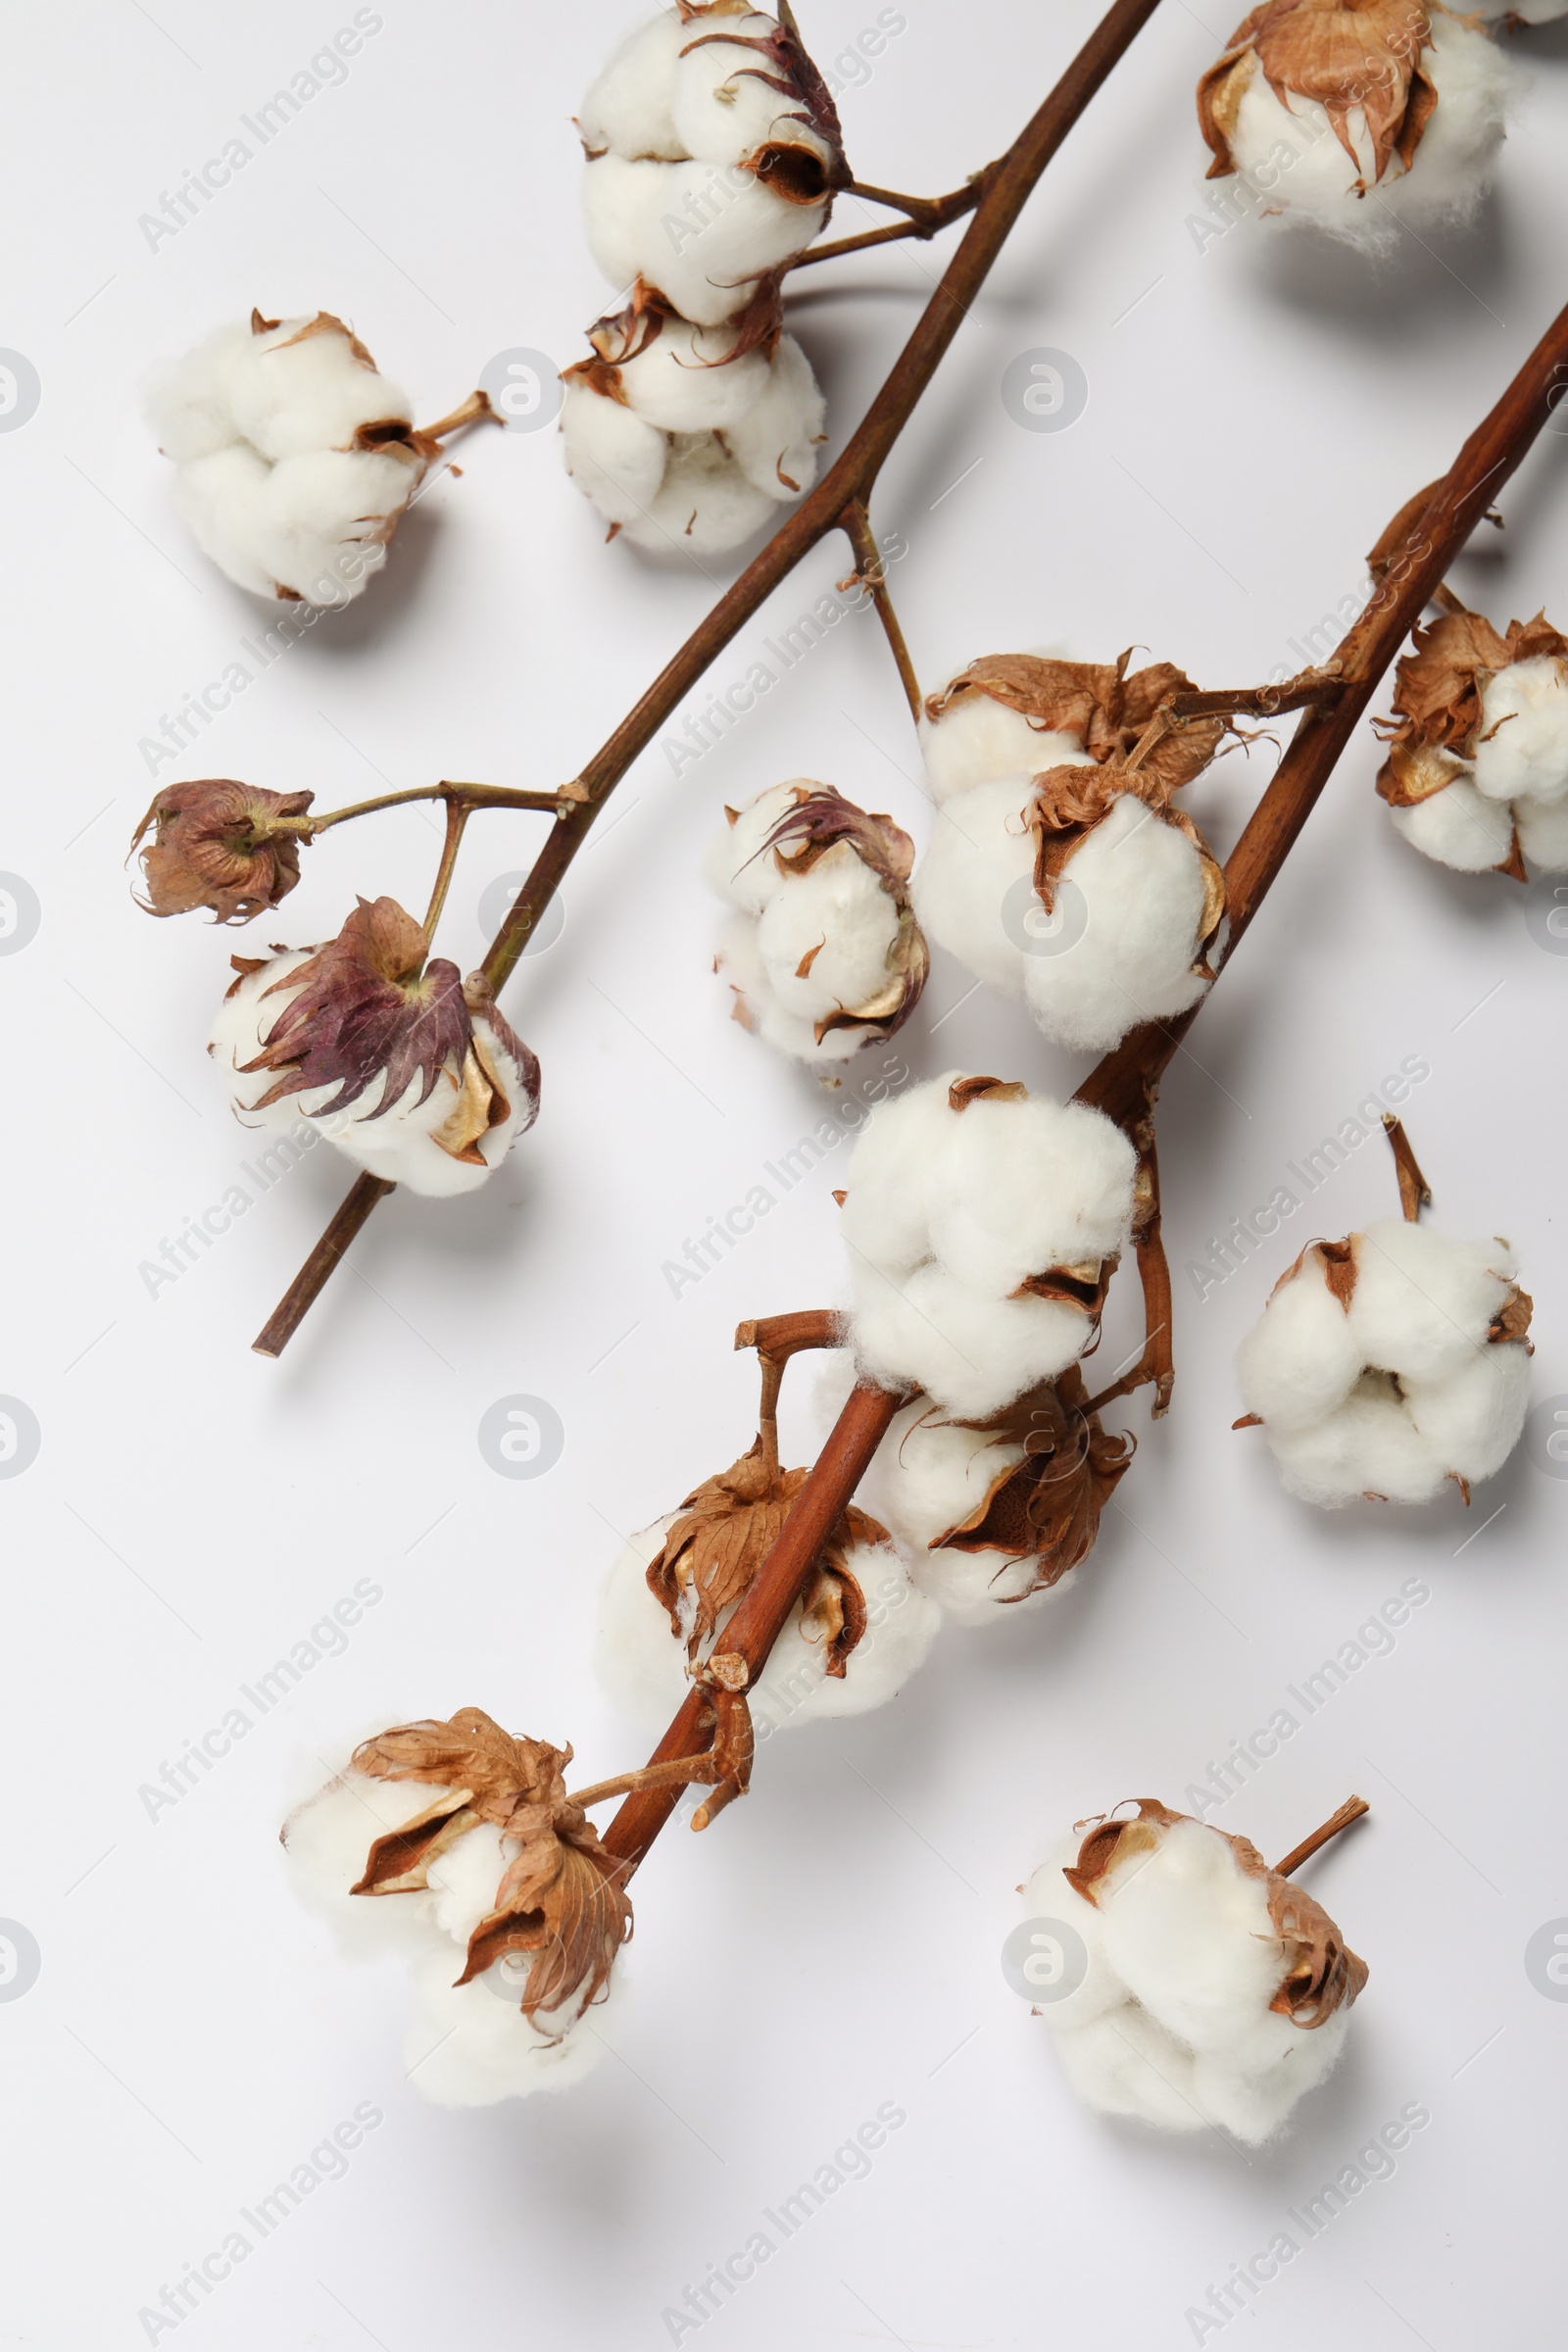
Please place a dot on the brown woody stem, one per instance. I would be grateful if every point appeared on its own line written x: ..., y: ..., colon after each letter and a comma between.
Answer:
x: 999, y: 194
x: 1155, y: 1364
x: 459, y: 811
x: 776, y: 1337
x: 1351, y: 1810
x: 871, y: 573
x: 478, y: 795
x: 476, y: 406
x: 926, y: 215
x: 296, y: 1302
x: 1415, y: 1193
x: 764, y: 1610
x: 679, y: 1774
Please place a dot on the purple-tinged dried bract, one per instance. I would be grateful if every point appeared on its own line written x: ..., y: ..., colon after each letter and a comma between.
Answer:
x: 233, y: 848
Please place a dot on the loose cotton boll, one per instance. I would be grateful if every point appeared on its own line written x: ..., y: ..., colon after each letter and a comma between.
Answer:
x: 1025, y: 1185
x: 642, y: 1663
x: 297, y: 458
x: 312, y: 1039
x: 1389, y: 1365
x: 775, y: 442
x: 1208, y: 1992
x: 836, y: 960
x: 1356, y: 117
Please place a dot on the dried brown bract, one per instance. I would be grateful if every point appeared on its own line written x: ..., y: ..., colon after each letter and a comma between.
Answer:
x: 561, y: 1899
x: 1046, y: 1507
x: 1099, y: 703
x: 724, y: 1533
x: 1347, y: 59
x: 1438, y: 720
x: 220, y: 844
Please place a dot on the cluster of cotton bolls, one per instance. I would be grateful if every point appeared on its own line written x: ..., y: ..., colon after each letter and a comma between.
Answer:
x: 713, y: 152
x: 1059, y: 872
x: 1356, y: 116
x: 411, y: 1071
x: 982, y: 1225
x: 297, y: 459
x: 1477, y: 772
x: 823, y: 954
x: 1193, y: 1988
x: 468, y: 2044
x: 1388, y: 1364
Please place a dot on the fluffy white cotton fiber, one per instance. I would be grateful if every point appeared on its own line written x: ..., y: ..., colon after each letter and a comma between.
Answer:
x: 957, y: 1198
x: 642, y: 1664
x: 401, y: 1146
x: 468, y: 2045
x: 1477, y: 772
x: 296, y: 457
x: 927, y: 1476
x: 1417, y: 1378
x: 1171, y: 2019
x: 1522, y: 752
x: 1457, y: 827
x: 978, y: 739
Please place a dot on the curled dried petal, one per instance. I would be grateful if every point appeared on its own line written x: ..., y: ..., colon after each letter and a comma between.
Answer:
x: 220, y: 844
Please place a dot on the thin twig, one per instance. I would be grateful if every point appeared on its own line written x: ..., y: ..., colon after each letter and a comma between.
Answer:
x: 1415, y: 1193
x: 473, y: 411
x: 458, y: 811
x: 1351, y: 1810
x: 479, y: 796
x: 871, y: 573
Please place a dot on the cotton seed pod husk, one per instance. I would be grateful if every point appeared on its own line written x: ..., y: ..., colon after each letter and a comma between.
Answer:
x: 725, y: 1531
x: 1369, y: 57
x: 215, y: 844
x: 1441, y: 684
x: 559, y: 1900
x: 1045, y: 1508
x: 820, y: 820
x: 1318, y: 1972
x: 1098, y: 701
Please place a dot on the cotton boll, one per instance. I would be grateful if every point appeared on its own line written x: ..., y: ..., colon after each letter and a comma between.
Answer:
x: 1456, y: 827
x: 1189, y: 1932
x: 980, y: 862
x: 1543, y: 833
x: 471, y: 2046
x: 614, y: 456
x: 1048, y: 1895
x: 839, y: 918
x: 684, y: 380
x: 1472, y: 1421
x: 189, y: 403
x: 1522, y: 748
x: 628, y: 104
x: 972, y: 1353
x: 294, y: 391
x: 1142, y: 886
x: 737, y: 862
x: 928, y: 1476
x: 702, y: 235
x: 1422, y: 1303
x: 775, y: 442
x: 1368, y: 1446
x: 979, y: 740
x: 1450, y: 172
x: 639, y: 1663
x: 221, y: 501
x: 1302, y: 1360
x: 1020, y: 1187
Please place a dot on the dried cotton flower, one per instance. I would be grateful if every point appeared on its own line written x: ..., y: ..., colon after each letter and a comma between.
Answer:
x: 230, y: 847
x: 411, y: 1071
x: 823, y: 955
x: 1216, y: 1993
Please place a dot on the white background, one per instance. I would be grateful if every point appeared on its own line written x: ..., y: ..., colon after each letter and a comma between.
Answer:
x: 1255, y: 415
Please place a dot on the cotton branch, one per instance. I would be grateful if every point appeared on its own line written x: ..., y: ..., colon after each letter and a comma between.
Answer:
x: 926, y: 215
x: 999, y: 194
